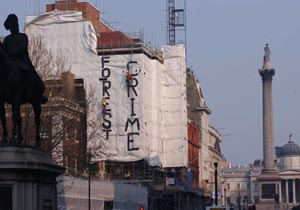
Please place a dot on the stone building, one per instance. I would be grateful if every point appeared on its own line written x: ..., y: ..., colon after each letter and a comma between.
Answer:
x: 169, y: 156
x: 241, y: 185
x: 193, y: 153
x: 64, y: 122
x: 236, y: 186
x: 209, y: 137
x: 89, y: 12
x: 256, y: 169
x: 288, y: 167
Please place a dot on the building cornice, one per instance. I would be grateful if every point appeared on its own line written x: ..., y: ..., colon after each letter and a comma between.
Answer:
x: 203, y: 108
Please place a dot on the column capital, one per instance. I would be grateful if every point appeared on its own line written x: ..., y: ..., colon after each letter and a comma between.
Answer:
x: 266, y: 74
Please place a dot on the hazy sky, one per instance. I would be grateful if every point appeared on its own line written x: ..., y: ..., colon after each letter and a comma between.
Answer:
x: 225, y: 41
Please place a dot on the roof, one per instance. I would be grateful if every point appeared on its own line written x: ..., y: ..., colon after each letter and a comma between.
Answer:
x: 114, y: 39
x: 257, y: 163
x: 289, y: 149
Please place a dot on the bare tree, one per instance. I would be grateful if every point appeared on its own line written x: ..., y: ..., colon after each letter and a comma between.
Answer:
x: 62, y: 115
x: 65, y: 118
x: 47, y: 65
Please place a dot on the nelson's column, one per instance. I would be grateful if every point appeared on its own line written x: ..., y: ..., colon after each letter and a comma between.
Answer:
x: 269, y: 181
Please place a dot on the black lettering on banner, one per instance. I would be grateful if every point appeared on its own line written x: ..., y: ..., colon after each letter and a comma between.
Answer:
x: 107, y: 131
x: 132, y: 107
x: 106, y: 85
x: 136, y: 120
x: 130, y: 141
x: 105, y: 75
x: 106, y: 123
x: 104, y: 60
x: 130, y: 62
x: 134, y: 83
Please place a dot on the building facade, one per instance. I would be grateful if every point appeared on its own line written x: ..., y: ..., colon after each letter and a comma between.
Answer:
x: 148, y: 134
x: 64, y: 132
x: 242, y: 184
x: 236, y: 187
x: 288, y: 167
x: 209, y: 139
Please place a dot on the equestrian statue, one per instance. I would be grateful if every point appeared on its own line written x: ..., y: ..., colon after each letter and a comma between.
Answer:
x: 19, y: 83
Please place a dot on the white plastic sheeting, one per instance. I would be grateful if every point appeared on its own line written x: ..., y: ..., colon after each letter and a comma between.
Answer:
x: 72, y: 194
x: 145, y: 121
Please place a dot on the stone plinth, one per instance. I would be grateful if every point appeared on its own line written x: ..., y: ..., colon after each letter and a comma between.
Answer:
x: 267, y: 206
x: 27, y: 179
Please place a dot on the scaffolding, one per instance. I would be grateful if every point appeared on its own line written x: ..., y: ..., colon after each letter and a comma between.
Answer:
x: 166, y: 186
x: 171, y: 22
x: 176, y: 21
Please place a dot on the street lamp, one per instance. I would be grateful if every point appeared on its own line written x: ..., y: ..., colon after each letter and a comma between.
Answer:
x: 216, y: 183
x: 225, y: 196
x: 239, y: 200
x: 89, y: 157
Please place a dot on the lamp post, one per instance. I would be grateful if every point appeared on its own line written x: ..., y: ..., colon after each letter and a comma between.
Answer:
x: 209, y: 190
x: 89, y: 157
x: 89, y: 182
x: 239, y: 200
x: 216, y: 183
x: 225, y: 196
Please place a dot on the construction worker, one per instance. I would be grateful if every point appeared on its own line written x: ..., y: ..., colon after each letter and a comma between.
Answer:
x: 128, y: 78
x: 104, y: 104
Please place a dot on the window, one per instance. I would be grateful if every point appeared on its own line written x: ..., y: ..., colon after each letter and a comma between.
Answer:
x: 6, y: 199
x: 76, y: 134
x: 75, y: 165
x: 108, y: 205
x: 66, y: 163
x: 228, y: 200
x: 290, y: 190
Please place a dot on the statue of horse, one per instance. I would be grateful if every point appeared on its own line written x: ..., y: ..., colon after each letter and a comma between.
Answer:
x: 12, y: 91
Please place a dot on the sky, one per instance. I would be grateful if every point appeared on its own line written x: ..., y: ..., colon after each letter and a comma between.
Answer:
x: 225, y: 48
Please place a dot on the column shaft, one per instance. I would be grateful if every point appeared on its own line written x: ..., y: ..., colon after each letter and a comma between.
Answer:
x: 280, y: 192
x: 268, y: 133
x: 287, y: 190
x: 294, y: 191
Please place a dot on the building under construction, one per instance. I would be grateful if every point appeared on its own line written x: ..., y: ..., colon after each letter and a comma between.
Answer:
x: 145, y: 136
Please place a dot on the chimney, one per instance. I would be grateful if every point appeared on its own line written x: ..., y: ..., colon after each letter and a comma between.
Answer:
x: 68, y: 85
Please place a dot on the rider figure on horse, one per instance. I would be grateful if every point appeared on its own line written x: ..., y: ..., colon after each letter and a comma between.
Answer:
x: 16, y: 47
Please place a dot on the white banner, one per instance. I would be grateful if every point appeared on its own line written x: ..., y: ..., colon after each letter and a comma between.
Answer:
x: 140, y: 102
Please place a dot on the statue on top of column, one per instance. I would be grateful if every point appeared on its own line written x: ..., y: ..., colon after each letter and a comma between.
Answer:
x: 267, y: 63
x: 267, y: 53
